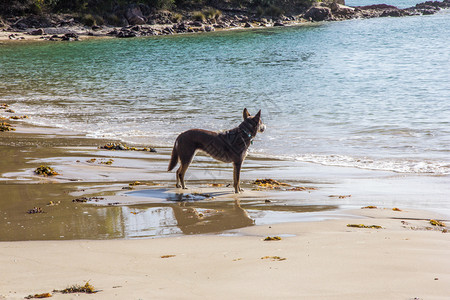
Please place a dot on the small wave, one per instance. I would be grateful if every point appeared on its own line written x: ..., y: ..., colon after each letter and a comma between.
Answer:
x: 393, y: 165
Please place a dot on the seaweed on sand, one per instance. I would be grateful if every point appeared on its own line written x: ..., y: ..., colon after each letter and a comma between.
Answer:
x: 91, y: 199
x: 269, y: 183
x: 35, y: 210
x: 364, y: 226
x: 302, y: 188
x: 45, y: 171
x: 135, y: 183
x: 340, y: 196
x: 6, y: 127
x: 277, y: 258
x: 108, y: 162
x: 120, y: 146
x: 39, y: 296
x: 18, y: 117
x: 272, y: 238
x: 87, y: 288
x: 437, y: 223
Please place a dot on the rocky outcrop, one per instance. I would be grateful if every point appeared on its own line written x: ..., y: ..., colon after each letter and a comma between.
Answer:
x: 39, y: 31
x: 134, y: 15
x: 318, y: 13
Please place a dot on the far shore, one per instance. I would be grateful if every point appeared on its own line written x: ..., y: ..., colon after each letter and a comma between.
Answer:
x: 19, y: 30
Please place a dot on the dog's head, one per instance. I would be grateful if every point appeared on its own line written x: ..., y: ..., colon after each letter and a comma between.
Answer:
x: 255, y: 121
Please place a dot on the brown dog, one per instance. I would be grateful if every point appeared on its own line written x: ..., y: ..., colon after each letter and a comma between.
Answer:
x: 228, y: 146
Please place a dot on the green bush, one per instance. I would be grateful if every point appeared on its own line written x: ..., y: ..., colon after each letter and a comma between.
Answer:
x: 212, y: 13
x: 88, y: 20
x: 198, y: 16
x: 176, y: 17
x: 113, y: 19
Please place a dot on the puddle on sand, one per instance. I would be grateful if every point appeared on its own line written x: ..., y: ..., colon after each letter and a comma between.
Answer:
x: 163, y: 214
x: 163, y: 194
x: 170, y: 213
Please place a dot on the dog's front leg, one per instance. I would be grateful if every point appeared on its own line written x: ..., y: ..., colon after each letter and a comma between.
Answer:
x: 236, y: 177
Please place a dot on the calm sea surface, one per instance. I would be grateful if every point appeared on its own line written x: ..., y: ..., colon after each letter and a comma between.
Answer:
x: 370, y: 94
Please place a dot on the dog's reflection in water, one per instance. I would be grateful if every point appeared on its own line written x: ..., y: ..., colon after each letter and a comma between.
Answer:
x: 191, y: 221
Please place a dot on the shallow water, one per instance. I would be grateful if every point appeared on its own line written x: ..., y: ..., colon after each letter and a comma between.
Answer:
x: 361, y: 93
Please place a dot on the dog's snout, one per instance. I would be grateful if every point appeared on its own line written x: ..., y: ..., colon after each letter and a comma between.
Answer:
x: 262, y: 127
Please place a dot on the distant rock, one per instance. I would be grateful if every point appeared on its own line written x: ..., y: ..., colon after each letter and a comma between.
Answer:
x: 134, y: 15
x: 126, y: 33
x: 39, y: 31
x: 341, y: 9
x: 318, y: 13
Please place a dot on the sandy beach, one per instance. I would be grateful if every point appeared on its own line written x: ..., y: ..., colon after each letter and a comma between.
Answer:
x: 316, y: 260
x: 215, y: 247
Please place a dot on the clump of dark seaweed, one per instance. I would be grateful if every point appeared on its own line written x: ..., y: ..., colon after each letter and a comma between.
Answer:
x: 274, y: 258
x: 39, y: 296
x: 437, y: 223
x: 4, y: 106
x: 340, y: 196
x: 45, y: 171
x: 269, y: 183
x: 272, y: 238
x: 35, y: 210
x: 85, y: 199
x: 120, y: 146
x: 302, y: 188
x: 108, y: 162
x: 101, y: 161
x: 6, y: 127
x: 10, y: 111
x: 364, y: 226
x: 87, y: 288
x: 18, y: 117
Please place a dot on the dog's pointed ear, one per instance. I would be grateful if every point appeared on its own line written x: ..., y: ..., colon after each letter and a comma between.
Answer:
x: 246, y: 114
x: 258, y: 115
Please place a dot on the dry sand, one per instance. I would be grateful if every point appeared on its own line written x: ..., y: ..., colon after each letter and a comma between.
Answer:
x: 320, y: 260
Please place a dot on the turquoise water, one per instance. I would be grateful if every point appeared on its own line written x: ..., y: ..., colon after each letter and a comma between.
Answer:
x: 371, y: 94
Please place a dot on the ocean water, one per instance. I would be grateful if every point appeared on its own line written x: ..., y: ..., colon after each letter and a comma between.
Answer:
x: 397, y: 3
x: 372, y: 94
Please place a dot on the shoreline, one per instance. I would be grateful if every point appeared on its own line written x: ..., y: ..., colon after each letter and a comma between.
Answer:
x: 320, y: 12
x: 318, y: 192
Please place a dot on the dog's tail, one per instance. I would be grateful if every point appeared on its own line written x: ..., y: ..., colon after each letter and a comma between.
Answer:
x: 173, y: 158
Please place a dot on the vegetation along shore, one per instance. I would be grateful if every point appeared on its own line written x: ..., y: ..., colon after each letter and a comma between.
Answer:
x: 57, y: 20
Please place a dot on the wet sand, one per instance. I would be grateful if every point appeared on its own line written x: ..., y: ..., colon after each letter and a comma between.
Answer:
x: 215, y: 235
x: 155, y: 208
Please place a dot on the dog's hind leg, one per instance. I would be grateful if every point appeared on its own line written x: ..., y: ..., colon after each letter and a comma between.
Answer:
x: 180, y: 175
x: 236, y: 177
x: 185, y: 161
